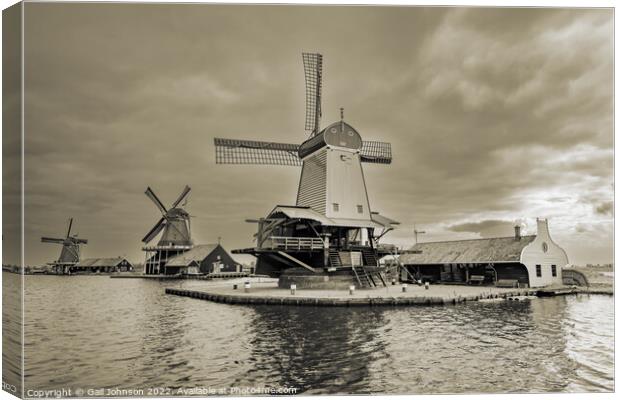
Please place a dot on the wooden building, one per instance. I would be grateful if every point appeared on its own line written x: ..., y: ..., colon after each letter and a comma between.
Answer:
x: 102, y: 265
x: 202, y: 259
x: 527, y: 261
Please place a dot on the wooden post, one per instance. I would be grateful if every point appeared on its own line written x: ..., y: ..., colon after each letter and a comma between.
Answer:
x: 259, y: 234
x: 326, y: 249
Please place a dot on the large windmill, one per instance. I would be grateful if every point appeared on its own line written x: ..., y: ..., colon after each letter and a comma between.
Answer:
x: 331, y: 230
x: 174, y: 225
x: 70, y: 252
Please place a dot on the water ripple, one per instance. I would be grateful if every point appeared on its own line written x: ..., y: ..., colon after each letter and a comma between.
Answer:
x: 105, y: 333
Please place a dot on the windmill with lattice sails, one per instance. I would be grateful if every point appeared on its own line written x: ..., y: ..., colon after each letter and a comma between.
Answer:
x: 175, y: 229
x: 69, y: 253
x: 331, y: 230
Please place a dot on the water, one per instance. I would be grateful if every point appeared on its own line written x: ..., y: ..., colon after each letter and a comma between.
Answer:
x: 96, y: 332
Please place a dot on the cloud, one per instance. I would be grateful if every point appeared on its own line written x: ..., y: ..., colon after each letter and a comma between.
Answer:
x: 493, y: 115
x: 486, y: 228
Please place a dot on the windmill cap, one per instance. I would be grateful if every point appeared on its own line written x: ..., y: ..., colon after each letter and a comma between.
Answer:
x: 177, y: 212
x: 339, y: 134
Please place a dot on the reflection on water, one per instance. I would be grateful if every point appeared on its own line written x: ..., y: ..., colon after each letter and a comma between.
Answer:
x: 314, y: 349
x: 106, y: 333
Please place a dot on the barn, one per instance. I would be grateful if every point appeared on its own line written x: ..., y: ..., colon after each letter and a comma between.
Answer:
x: 202, y: 259
x: 524, y: 261
x: 112, y: 264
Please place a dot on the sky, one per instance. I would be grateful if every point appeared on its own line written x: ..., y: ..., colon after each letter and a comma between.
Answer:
x: 495, y: 116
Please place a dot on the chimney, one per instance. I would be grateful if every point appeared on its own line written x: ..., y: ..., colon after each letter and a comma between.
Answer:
x: 517, y: 232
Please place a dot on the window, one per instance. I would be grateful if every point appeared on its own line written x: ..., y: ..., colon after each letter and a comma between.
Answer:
x: 538, y: 270
x: 545, y: 247
x: 360, y: 209
x: 554, y: 271
x: 336, y: 206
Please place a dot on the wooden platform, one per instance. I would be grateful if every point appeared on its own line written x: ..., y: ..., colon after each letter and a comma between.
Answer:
x: 391, y: 296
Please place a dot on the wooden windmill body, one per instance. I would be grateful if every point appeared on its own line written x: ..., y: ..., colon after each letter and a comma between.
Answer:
x: 332, y: 229
x: 69, y: 253
x: 175, y: 229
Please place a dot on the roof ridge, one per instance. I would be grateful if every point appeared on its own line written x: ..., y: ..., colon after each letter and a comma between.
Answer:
x: 471, y: 240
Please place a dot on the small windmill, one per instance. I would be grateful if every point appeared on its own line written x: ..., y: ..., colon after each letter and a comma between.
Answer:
x: 174, y: 226
x: 70, y: 252
x: 332, y: 201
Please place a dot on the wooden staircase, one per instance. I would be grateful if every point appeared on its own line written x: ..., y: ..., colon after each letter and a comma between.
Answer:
x: 367, y: 279
x: 369, y: 256
x: 334, y: 258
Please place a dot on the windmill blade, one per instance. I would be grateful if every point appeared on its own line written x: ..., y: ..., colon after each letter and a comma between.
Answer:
x: 154, y: 231
x: 70, y: 224
x: 151, y: 195
x: 233, y: 151
x: 52, y: 240
x: 181, y: 196
x: 81, y: 241
x: 376, y: 152
x: 313, y: 72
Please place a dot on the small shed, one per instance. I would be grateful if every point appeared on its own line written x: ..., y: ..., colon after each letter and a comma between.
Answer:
x: 109, y: 264
x: 202, y: 259
x: 530, y: 261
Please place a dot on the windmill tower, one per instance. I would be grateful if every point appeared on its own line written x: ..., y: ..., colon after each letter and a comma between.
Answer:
x: 332, y: 200
x: 70, y: 252
x: 176, y: 235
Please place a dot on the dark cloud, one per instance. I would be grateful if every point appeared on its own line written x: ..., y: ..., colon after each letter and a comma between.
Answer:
x: 487, y: 228
x: 493, y: 114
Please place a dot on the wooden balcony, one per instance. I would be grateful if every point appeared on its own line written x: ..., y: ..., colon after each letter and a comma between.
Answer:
x: 293, y: 243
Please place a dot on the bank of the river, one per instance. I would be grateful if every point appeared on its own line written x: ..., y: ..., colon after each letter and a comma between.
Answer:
x: 600, y: 278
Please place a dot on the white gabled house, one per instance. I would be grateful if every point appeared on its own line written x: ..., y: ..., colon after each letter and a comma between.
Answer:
x: 526, y: 261
x: 543, y: 258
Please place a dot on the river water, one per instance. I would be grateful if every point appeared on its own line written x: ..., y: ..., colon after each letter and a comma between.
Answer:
x: 92, y: 332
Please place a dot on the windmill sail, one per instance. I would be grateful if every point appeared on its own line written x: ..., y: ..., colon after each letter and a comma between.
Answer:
x: 52, y: 240
x: 234, y: 151
x: 154, y: 230
x: 376, y: 152
x: 183, y: 194
x: 313, y: 70
x: 69, y: 229
x: 151, y: 195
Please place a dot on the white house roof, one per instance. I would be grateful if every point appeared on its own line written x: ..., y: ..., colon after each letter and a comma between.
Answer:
x: 504, y: 249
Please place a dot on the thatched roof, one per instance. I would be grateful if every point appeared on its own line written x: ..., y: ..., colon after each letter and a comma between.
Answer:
x: 468, y: 251
x: 101, y: 262
x: 194, y: 256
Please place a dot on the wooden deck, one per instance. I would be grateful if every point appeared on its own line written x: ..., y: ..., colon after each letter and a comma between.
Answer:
x: 385, y: 296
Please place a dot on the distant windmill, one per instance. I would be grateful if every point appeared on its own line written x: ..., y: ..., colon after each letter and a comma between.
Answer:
x: 70, y: 252
x: 332, y: 210
x: 174, y: 225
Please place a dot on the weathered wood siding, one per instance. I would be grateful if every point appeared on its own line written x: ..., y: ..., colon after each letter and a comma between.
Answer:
x: 312, y: 184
